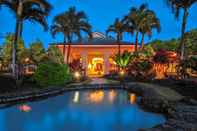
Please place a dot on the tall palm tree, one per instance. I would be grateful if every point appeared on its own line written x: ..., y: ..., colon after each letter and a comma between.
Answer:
x: 135, y: 19
x: 119, y: 28
x: 149, y: 23
x: 176, y: 6
x: 31, y: 10
x: 71, y: 24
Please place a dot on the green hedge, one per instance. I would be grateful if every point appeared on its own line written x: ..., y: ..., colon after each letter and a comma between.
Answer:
x: 48, y: 74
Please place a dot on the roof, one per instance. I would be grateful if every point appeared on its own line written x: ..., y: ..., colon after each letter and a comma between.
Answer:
x: 98, y: 39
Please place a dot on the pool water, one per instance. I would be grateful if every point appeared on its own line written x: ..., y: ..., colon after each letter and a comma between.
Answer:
x: 87, y: 110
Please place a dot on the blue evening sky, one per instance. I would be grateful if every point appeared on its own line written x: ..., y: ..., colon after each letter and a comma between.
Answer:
x: 101, y: 13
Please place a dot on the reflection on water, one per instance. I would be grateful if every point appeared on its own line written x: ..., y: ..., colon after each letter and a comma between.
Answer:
x: 95, y: 96
x: 112, y: 95
x: 90, y: 110
x: 133, y: 98
x: 24, y: 108
x: 98, y: 96
x: 76, y: 97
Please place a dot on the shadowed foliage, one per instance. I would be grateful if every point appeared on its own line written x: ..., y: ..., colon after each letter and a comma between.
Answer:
x: 177, y: 6
x: 31, y: 10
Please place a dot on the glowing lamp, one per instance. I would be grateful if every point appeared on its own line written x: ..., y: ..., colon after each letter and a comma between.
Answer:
x: 174, y: 54
x: 26, y: 60
x: 122, y: 73
x: 77, y: 75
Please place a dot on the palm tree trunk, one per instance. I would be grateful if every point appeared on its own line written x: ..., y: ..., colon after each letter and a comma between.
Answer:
x: 136, y: 42
x: 21, y: 30
x: 119, y: 48
x: 68, y: 51
x: 182, y: 44
x: 64, y: 47
x: 118, y: 41
x: 14, y: 49
x: 16, y: 38
x: 142, y: 42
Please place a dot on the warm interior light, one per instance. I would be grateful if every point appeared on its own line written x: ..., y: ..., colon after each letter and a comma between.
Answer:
x: 97, y: 59
x: 95, y: 66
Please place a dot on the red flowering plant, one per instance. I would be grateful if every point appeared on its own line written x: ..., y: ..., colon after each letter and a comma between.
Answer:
x: 76, y: 68
x: 161, y: 57
x: 141, y: 69
x: 76, y: 65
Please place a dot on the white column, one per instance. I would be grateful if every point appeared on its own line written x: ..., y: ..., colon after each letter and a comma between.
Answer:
x: 84, y: 56
x: 106, y: 63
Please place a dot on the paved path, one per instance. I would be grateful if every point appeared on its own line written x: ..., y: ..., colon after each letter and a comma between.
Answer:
x: 98, y: 81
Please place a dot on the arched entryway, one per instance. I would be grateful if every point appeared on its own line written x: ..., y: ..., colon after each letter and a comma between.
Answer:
x: 95, y: 66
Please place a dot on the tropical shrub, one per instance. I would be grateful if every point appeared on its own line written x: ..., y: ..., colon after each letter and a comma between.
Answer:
x: 148, y: 51
x: 48, y: 74
x: 191, y: 42
x: 123, y: 60
x: 193, y: 61
x: 161, y: 57
x: 37, y: 52
x: 6, y: 50
x: 184, y: 65
x: 76, y: 65
x: 141, y: 70
x: 169, y: 45
x: 55, y: 55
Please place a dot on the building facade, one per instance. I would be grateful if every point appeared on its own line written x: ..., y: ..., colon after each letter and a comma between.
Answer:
x: 96, y: 55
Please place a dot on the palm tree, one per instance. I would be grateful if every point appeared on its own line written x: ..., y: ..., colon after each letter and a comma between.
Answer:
x: 31, y: 10
x: 149, y: 23
x: 119, y: 28
x: 71, y: 23
x: 135, y: 19
x: 177, y: 5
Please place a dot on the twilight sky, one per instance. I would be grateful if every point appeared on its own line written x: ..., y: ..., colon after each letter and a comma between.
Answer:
x: 101, y: 13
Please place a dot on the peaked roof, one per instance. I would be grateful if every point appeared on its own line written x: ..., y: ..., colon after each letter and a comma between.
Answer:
x: 98, y: 39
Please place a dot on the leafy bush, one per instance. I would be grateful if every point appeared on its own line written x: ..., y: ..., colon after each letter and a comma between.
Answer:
x: 123, y: 60
x: 146, y: 53
x: 55, y: 55
x: 184, y: 65
x: 193, y: 61
x: 37, y: 52
x: 161, y: 57
x: 141, y: 70
x: 48, y: 74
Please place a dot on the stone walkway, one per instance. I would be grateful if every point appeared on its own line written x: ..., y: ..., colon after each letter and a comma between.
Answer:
x: 98, y: 81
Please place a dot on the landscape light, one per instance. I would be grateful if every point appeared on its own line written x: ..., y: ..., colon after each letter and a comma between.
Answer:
x: 77, y: 75
x: 122, y: 73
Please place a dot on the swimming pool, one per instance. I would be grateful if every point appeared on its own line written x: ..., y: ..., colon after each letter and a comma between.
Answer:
x: 85, y: 110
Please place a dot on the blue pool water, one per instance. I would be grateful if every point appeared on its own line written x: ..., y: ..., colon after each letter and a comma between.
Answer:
x: 89, y: 110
